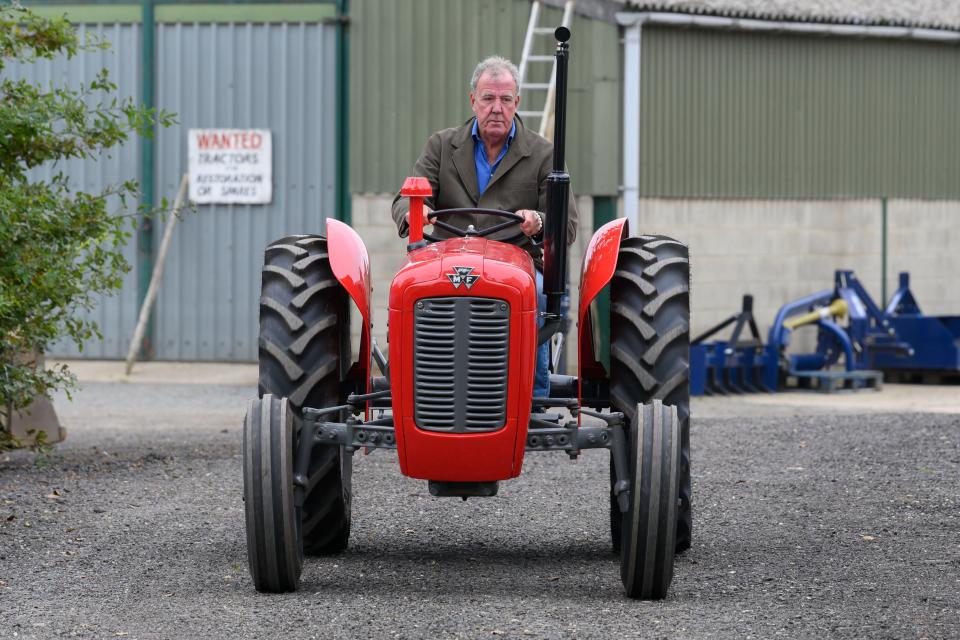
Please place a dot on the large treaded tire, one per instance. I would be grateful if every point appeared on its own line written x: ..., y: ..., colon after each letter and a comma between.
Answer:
x: 304, y: 349
x: 274, y: 541
x: 649, y: 527
x: 650, y: 349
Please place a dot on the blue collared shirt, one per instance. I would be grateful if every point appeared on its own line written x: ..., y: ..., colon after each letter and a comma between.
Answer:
x: 485, y: 170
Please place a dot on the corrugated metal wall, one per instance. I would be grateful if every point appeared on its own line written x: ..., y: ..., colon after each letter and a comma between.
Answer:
x: 410, y: 67
x: 734, y: 114
x: 115, y: 315
x: 280, y: 77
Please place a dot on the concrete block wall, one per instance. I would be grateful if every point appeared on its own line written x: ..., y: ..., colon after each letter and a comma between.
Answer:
x: 924, y: 239
x: 775, y: 250
x: 780, y: 250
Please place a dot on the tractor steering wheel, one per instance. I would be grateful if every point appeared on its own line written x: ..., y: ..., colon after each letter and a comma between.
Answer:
x: 470, y: 232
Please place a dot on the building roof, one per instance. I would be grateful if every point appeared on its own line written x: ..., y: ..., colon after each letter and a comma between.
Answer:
x: 934, y: 14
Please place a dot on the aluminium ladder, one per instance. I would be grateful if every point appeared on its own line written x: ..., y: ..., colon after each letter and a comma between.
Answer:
x: 527, y: 57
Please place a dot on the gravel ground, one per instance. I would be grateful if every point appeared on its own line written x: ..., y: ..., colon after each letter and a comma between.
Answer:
x: 808, y: 524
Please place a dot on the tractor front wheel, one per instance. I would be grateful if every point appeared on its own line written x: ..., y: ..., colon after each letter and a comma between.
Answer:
x: 304, y: 355
x: 650, y: 349
x: 649, y: 527
x: 274, y: 540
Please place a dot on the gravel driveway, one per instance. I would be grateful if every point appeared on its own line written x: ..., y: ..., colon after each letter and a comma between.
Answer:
x: 812, y: 523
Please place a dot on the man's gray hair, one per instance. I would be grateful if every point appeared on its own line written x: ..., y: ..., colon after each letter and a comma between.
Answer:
x: 495, y: 66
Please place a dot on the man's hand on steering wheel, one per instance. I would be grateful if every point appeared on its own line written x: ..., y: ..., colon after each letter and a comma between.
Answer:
x: 529, y: 221
x: 532, y: 222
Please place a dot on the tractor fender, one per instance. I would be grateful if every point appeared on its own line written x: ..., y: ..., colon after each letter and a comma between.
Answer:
x: 599, y: 263
x: 351, y: 267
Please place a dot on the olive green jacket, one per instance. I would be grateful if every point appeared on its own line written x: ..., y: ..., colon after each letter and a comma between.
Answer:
x: 520, y: 182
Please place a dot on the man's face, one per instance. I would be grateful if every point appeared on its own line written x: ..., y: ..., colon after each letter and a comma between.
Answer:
x: 494, y: 102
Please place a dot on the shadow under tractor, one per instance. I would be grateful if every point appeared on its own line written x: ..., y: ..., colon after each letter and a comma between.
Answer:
x: 456, y: 398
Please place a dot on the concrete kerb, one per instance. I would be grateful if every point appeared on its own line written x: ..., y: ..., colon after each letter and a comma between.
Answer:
x: 193, y: 373
x: 893, y: 398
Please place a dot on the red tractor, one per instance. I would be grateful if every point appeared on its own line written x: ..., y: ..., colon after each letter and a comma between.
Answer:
x: 457, y: 393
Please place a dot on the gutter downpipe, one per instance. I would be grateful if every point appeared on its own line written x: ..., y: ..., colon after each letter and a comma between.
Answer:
x: 633, y: 24
x: 631, y: 126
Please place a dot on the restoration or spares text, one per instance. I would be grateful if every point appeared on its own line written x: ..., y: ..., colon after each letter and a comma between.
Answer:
x: 230, y: 166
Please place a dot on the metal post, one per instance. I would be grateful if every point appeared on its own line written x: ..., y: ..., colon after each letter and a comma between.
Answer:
x: 883, y: 258
x: 343, y: 112
x: 147, y: 178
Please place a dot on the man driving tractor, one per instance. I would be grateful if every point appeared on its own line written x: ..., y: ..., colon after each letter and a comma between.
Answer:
x: 465, y: 393
x: 492, y: 161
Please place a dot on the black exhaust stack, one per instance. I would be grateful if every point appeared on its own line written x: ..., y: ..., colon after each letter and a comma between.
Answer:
x: 558, y: 199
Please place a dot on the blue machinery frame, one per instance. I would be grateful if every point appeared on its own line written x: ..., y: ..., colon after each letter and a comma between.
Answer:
x: 897, y: 340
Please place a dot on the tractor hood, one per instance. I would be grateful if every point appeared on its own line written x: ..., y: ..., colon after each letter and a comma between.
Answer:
x: 463, y: 266
x: 463, y: 340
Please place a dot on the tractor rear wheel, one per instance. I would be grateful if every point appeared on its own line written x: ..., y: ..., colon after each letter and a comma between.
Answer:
x: 650, y: 349
x: 274, y: 540
x: 649, y: 527
x: 304, y: 353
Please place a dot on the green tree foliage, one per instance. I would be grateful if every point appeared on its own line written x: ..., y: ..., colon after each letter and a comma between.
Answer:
x: 60, y: 248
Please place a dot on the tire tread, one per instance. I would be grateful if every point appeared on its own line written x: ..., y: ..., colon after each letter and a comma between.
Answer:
x: 648, y: 539
x: 274, y: 543
x: 650, y: 358
x: 300, y: 359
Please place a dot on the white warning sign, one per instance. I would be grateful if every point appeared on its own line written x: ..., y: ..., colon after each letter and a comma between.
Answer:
x: 230, y: 166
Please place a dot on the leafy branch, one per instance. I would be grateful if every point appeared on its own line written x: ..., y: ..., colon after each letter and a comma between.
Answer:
x: 62, y: 248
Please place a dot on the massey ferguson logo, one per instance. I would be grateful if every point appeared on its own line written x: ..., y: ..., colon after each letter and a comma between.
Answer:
x: 461, y: 275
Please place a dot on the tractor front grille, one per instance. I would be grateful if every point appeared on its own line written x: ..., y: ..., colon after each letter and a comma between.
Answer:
x: 461, y: 346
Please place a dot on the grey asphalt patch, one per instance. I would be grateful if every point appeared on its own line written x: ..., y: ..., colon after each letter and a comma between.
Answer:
x: 828, y: 524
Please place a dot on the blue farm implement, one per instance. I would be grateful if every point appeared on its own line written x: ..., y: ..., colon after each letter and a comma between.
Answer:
x: 858, y: 343
x: 935, y: 341
x: 735, y: 365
